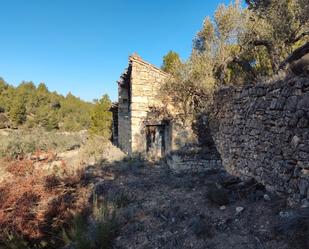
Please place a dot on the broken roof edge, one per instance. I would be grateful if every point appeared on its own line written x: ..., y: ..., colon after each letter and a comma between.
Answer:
x: 124, y: 75
x: 136, y: 58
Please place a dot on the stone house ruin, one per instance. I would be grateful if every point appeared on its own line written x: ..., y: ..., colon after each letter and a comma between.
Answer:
x: 141, y: 129
x: 259, y: 131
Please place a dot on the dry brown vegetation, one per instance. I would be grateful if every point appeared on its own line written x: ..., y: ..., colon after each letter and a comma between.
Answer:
x: 43, y: 191
x: 35, y: 206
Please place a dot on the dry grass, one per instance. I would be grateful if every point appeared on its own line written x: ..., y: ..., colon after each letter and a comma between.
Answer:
x: 48, y: 211
x: 75, y: 149
x: 39, y: 204
x: 18, y: 143
x: 35, y: 206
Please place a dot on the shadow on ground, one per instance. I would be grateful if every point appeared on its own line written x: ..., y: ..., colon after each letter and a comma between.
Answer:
x: 160, y: 209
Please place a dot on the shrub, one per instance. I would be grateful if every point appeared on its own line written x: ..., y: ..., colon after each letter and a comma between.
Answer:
x: 38, y: 207
x: 20, y: 167
x: 22, y: 142
x: 101, y: 119
x: 43, y: 204
x: 95, y: 148
x: 97, y: 232
x: 18, y: 111
x: 15, y: 241
x: 121, y: 199
x: 4, y: 121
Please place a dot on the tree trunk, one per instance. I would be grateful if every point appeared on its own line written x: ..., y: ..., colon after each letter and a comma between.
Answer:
x: 295, y: 55
x: 245, y: 65
x: 272, y: 52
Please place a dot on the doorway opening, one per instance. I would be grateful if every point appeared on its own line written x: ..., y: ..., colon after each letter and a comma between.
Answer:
x: 156, y: 140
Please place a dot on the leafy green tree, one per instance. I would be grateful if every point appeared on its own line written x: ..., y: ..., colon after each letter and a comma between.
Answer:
x: 2, y: 85
x: 28, y: 91
x: 190, y: 90
x: 101, y: 119
x: 47, y: 117
x: 7, y: 94
x: 219, y: 40
x: 278, y: 27
x: 235, y: 46
x: 75, y: 113
x: 252, y: 42
x: 18, y: 111
x: 171, y: 61
x: 42, y: 88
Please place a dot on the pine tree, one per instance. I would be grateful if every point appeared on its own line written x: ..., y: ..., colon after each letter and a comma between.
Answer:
x: 101, y: 119
x: 44, y: 108
x: 47, y: 117
x: 18, y: 111
x: 171, y: 62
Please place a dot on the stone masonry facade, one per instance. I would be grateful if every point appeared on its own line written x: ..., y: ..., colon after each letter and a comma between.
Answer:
x: 140, y: 129
x: 262, y: 131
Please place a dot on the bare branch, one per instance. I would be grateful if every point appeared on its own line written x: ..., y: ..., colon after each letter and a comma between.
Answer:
x: 300, y: 36
x: 295, y: 55
x: 245, y: 65
x: 274, y: 57
x: 265, y: 43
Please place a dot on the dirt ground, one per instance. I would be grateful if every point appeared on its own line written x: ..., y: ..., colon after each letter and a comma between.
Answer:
x: 159, y: 209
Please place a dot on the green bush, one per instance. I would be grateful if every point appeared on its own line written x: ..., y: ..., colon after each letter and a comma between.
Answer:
x: 94, y: 233
x: 14, y: 241
x: 101, y: 119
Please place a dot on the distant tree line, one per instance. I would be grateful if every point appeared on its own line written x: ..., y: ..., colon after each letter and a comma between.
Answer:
x: 31, y: 106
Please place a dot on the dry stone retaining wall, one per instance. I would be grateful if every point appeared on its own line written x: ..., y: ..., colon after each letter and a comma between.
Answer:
x: 262, y: 132
x: 180, y: 165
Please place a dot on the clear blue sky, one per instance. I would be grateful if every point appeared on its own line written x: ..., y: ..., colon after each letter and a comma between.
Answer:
x: 82, y: 46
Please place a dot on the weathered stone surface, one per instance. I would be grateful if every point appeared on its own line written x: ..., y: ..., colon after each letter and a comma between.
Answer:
x: 138, y: 95
x: 262, y: 132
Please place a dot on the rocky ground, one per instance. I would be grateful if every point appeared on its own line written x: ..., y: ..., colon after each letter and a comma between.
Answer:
x: 160, y: 209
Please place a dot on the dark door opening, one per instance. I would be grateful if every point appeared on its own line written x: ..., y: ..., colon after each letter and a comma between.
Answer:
x: 155, y: 140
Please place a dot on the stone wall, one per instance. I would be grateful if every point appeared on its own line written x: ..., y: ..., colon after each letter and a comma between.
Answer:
x: 146, y: 81
x: 139, y: 105
x: 194, y: 159
x: 262, y: 132
x: 114, y: 110
x: 124, y: 116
